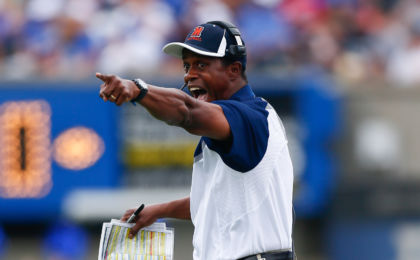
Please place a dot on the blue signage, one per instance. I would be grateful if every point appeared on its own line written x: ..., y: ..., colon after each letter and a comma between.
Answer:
x: 54, y: 139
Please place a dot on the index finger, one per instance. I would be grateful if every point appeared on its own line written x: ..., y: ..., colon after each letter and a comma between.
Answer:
x: 127, y: 214
x: 103, y: 77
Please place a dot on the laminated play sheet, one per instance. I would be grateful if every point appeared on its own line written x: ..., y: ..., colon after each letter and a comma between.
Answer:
x: 155, y: 242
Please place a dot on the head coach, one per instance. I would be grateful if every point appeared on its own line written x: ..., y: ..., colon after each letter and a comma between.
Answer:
x: 242, y: 182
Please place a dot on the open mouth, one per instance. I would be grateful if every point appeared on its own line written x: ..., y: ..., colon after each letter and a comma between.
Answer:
x: 198, y: 93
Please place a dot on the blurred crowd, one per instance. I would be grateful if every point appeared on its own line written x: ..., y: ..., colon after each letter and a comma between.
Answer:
x: 354, y: 40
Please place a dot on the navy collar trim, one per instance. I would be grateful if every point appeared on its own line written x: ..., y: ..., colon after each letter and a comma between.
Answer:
x: 245, y: 93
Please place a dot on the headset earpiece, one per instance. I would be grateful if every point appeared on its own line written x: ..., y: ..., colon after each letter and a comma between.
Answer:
x: 239, y: 49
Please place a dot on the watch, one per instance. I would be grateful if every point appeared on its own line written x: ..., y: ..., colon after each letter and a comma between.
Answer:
x: 143, y: 89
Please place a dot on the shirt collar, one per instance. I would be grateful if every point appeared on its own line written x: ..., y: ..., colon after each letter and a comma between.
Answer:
x: 245, y: 93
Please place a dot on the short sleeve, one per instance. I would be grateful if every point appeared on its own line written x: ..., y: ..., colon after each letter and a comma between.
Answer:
x: 249, y: 128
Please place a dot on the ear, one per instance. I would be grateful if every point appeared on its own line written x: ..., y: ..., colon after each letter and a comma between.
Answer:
x: 235, y: 70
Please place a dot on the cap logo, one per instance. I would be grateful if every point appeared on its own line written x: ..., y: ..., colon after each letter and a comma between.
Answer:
x: 196, y: 34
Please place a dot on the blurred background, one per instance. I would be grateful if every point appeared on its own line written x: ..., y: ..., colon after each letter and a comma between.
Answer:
x: 344, y: 75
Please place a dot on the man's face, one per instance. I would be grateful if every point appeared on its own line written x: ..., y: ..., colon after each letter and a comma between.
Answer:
x: 207, y: 77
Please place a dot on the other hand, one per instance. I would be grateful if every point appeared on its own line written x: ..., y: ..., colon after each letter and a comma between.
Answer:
x: 147, y: 217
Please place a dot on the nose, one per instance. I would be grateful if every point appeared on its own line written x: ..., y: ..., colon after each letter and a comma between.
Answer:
x: 190, y: 75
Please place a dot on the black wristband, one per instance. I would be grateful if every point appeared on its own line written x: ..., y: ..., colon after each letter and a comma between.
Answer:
x: 143, y: 90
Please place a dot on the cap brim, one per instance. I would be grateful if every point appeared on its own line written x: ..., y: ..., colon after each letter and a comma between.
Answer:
x: 175, y: 49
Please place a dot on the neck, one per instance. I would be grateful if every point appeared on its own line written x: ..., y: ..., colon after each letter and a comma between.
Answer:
x: 237, y: 85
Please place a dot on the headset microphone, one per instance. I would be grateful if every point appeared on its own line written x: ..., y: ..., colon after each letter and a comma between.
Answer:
x: 183, y: 86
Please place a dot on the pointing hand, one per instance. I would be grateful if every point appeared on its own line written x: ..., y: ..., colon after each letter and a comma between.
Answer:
x: 116, y: 89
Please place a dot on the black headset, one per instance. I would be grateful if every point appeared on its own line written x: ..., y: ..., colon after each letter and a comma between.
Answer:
x: 238, y: 50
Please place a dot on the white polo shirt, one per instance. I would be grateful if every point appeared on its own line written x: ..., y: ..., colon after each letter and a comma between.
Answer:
x: 241, y: 193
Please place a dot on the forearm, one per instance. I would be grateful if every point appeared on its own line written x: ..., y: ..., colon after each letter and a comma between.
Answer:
x: 175, y: 107
x: 179, y: 209
x: 169, y: 105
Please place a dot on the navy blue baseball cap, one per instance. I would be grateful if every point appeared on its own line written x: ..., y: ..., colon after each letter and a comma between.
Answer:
x: 207, y: 40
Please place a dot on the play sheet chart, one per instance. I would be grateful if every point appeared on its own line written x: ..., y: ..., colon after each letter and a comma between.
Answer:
x: 155, y: 242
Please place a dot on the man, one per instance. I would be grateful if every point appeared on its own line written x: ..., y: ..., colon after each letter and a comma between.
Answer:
x: 241, y: 195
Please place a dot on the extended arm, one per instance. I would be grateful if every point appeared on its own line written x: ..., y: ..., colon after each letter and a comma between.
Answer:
x: 172, y: 106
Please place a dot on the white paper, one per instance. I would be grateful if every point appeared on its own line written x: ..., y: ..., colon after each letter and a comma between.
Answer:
x: 153, y: 242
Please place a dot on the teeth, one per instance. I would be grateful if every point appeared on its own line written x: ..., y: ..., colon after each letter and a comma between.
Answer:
x: 194, y: 89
